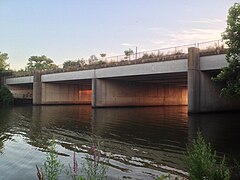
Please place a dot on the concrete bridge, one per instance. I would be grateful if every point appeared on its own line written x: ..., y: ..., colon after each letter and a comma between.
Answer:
x: 175, y: 82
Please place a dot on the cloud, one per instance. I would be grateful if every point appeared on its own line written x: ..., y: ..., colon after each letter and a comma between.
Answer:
x: 196, y: 35
x: 157, y: 42
x: 143, y: 49
x: 202, y: 21
x: 127, y: 44
x: 156, y: 29
x: 190, y: 36
x: 159, y: 30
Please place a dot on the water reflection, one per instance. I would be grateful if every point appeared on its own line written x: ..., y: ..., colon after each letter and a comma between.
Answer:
x: 152, y: 134
x: 143, y: 142
x: 221, y: 130
x: 5, y: 127
x: 136, y: 137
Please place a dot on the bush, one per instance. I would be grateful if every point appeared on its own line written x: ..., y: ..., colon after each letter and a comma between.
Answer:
x: 202, y: 164
x: 6, y: 97
x: 52, y: 167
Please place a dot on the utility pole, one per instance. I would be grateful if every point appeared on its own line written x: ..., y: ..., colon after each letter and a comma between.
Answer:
x: 129, y: 52
x: 136, y: 53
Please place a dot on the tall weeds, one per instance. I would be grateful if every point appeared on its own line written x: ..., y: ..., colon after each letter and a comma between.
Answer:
x: 94, y: 168
x: 52, y: 167
x: 202, y: 164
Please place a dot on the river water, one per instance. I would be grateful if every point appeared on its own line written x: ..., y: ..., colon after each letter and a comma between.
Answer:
x: 142, y: 143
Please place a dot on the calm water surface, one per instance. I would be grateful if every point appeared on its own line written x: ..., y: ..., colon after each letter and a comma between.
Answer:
x: 143, y: 143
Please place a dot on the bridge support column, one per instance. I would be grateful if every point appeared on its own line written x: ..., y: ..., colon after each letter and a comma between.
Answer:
x: 94, y: 81
x: 37, y: 89
x: 193, y: 80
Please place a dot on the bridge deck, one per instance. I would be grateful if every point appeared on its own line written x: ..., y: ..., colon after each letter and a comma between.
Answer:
x: 214, y: 62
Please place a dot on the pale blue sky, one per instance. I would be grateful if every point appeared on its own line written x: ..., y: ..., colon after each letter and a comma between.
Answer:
x: 72, y: 29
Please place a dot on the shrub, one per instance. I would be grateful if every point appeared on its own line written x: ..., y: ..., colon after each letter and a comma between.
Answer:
x: 52, y: 167
x: 6, y: 97
x: 202, y: 164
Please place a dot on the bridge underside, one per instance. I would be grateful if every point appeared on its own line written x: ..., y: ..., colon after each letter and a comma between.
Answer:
x: 22, y: 91
x: 70, y: 92
x: 145, y: 90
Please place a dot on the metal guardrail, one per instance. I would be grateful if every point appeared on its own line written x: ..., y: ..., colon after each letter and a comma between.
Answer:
x: 176, y: 50
x: 212, y: 44
x: 212, y: 47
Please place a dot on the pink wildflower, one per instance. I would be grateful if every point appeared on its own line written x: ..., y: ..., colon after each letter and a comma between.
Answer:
x: 74, y: 164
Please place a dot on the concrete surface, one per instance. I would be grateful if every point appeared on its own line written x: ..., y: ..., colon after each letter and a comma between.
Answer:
x: 121, y: 93
x: 20, y: 80
x: 55, y: 93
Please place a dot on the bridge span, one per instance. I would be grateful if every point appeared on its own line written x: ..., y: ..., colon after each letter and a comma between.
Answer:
x: 176, y: 82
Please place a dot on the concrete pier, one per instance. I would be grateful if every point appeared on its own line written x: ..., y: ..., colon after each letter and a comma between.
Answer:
x: 37, y: 89
x: 193, y: 80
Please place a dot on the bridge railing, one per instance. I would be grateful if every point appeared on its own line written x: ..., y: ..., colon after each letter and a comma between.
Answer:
x: 163, y: 54
x: 212, y: 47
x: 209, y: 44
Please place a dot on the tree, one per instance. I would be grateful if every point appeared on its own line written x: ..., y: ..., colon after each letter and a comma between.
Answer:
x: 128, y: 53
x: 3, y: 59
x: 230, y: 75
x: 80, y: 63
x: 93, y: 59
x: 103, y: 55
x: 39, y: 63
x: 70, y: 64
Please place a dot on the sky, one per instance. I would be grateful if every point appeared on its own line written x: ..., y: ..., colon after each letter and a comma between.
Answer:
x: 73, y: 29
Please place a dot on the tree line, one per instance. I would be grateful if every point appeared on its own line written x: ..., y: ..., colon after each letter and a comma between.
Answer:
x: 43, y: 63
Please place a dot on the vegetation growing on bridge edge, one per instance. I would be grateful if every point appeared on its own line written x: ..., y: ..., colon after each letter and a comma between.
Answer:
x: 230, y: 75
